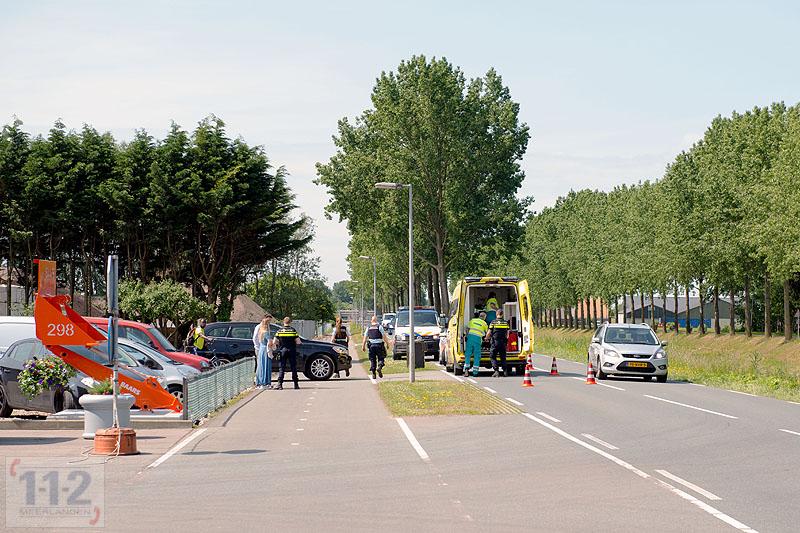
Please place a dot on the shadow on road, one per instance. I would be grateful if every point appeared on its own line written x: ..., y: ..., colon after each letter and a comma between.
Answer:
x: 33, y: 441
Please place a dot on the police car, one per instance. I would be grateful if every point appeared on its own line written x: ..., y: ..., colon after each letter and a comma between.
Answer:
x: 427, y: 327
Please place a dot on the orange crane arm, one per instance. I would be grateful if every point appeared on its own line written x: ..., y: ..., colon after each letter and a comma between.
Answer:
x: 59, y: 327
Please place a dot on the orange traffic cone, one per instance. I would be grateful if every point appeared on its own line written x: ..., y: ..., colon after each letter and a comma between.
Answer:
x: 590, y: 375
x: 553, y: 368
x: 526, y: 381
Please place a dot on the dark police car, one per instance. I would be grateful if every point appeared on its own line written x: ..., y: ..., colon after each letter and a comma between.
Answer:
x: 318, y: 360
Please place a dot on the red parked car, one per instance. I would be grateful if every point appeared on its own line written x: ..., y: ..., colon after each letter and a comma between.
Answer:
x: 150, y: 336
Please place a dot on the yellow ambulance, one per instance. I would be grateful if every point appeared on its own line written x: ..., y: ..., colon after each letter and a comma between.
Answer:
x: 471, y: 296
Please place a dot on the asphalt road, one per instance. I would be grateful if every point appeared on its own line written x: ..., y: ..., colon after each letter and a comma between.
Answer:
x: 737, y: 453
x: 622, y: 457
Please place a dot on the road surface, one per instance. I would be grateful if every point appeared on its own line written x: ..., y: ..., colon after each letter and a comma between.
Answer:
x: 622, y: 456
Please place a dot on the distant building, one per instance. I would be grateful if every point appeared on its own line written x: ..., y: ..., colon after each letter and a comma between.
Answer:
x: 664, y: 310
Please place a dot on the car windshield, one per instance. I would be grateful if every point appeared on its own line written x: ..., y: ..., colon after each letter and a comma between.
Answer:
x: 422, y: 317
x: 162, y: 340
x: 630, y: 336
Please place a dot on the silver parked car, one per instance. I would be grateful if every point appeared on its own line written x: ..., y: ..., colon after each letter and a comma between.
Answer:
x: 169, y: 373
x: 628, y: 350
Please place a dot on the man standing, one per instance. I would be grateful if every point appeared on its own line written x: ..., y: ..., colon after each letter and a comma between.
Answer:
x: 375, y: 338
x: 498, y: 335
x: 286, y: 341
x: 476, y: 330
x: 491, y: 307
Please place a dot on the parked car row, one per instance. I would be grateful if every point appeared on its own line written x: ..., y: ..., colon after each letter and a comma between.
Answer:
x: 318, y: 360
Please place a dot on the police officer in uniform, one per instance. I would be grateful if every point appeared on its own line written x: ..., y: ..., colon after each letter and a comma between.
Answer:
x: 375, y: 338
x: 498, y: 335
x: 286, y: 341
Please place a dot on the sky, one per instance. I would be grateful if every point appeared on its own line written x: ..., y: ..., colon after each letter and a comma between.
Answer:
x: 611, y: 90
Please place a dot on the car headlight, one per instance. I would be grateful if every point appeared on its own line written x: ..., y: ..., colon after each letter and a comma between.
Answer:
x: 340, y: 349
x: 436, y: 337
x: 660, y: 354
x: 402, y: 336
x: 611, y: 353
x: 204, y: 364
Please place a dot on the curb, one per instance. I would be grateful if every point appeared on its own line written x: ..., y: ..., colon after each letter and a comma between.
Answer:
x: 32, y: 425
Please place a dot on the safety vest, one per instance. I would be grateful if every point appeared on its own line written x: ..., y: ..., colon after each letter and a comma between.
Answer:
x: 199, y: 341
x: 477, y: 326
x: 374, y: 335
x: 492, y: 301
x: 286, y: 337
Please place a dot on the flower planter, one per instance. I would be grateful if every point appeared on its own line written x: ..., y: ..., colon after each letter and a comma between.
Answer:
x: 99, y: 412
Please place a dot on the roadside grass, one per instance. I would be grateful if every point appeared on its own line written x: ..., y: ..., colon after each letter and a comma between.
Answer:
x: 762, y: 366
x: 391, y: 366
x: 431, y: 398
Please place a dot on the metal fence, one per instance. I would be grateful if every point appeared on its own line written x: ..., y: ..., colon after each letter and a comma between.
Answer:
x: 210, y: 390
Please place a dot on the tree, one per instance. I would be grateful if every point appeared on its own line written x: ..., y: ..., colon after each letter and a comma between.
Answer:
x: 458, y: 144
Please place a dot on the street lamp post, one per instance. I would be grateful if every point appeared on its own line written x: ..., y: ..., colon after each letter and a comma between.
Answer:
x: 374, y: 284
x: 411, y: 296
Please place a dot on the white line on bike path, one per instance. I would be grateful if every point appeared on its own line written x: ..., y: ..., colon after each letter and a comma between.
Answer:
x: 691, y: 407
x: 196, y: 433
x: 413, y: 440
x: 449, y: 375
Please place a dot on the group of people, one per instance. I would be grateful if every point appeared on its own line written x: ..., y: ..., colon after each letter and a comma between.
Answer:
x: 375, y: 341
x: 282, y: 345
x: 496, y: 332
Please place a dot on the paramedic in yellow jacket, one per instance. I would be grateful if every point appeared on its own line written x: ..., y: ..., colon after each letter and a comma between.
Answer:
x: 476, y: 330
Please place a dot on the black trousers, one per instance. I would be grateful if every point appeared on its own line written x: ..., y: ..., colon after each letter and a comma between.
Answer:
x: 377, y: 354
x: 288, y: 357
x: 498, y: 349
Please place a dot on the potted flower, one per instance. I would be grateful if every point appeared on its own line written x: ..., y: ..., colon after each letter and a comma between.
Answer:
x: 39, y: 375
x: 99, y: 411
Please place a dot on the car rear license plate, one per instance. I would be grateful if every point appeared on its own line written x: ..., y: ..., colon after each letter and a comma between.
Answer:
x: 637, y: 365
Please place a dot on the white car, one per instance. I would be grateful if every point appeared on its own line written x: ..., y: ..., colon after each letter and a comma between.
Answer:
x: 427, y: 328
x: 628, y: 350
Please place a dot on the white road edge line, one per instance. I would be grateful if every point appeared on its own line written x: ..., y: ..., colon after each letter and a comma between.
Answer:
x: 690, y: 406
x: 413, y: 440
x: 790, y: 431
x: 515, y: 402
x: 740, y: 392
x: 449, y: 375
x: 172, y: 451
x: 490, y: 390
x: 796, y: 403
x: 541, y: 369
x: 601, y: 442
x: 550, y: 418
x: 716, y: 513
x: 475, y: 381
x: 688, y: 497
x: 699, y: 490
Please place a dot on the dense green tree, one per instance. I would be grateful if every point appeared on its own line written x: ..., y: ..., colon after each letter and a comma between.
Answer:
x: 458, y: 143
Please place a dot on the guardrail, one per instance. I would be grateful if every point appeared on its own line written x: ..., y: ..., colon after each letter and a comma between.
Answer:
x: 210, y: 390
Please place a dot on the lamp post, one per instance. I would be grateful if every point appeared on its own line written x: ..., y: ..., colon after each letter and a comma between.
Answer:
x: 374, y: 284
x: 411, y: 303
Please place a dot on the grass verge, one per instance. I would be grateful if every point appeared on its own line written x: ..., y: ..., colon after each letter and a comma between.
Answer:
x: 762, y: 366
x: 429, y: 398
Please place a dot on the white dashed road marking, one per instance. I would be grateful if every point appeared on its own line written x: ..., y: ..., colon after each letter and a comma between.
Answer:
x: 490, y: 390
x: 790, y: 431
x: 716, y: 513
x: 599, y: 441
x: 550, y: 418
x: 744, y: 393
x: 691, y: 407
x: 691, y: 486
x: 515, y: 402
x: 472, y: 380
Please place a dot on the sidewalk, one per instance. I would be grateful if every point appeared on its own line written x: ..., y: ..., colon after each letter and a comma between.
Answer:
x: 308, y: 459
